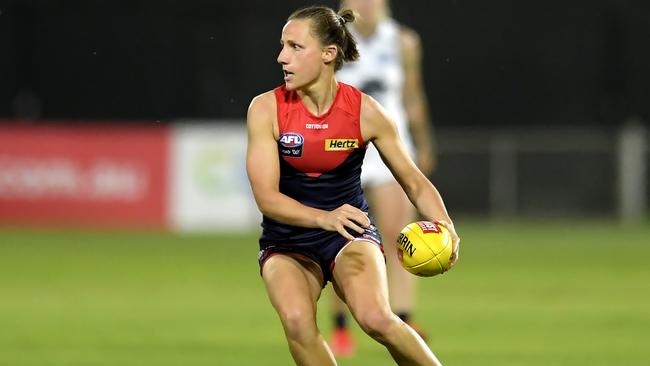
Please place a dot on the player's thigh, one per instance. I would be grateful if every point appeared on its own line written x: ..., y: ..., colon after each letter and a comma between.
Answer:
x: 360, y: 277
x: 293, y: 286
x: 391, y: 207
x: 392, y: 211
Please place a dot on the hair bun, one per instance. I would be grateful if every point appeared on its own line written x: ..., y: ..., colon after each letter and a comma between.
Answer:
x: 346, y: 16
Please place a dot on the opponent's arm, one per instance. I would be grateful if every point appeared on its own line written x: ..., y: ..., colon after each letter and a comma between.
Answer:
x: 263, y: 168
x: 377, y: 127
x: 415, y: 101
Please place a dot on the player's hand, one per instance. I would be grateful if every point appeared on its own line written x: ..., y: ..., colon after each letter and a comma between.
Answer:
x: 455, y: 242
x: 342, y: 217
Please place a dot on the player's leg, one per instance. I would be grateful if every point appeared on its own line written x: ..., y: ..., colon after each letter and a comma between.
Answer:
x: 360, y: 278
x: 293, y: 286
x: 342, y: 343
x: 392, y: 211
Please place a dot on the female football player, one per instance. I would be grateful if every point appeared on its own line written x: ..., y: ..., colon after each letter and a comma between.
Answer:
x: 306, y: 143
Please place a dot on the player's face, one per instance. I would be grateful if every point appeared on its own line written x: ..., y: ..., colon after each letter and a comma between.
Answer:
x: 301, y: 54
x: 369, y: 10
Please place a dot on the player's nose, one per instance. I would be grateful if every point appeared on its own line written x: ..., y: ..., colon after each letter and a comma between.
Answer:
x: 282, y: 58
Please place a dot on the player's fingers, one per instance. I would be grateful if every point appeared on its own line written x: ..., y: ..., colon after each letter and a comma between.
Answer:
x: 357, y: 215
x: 453, y: 259
x: 452, y: 231
x: 361, y: 218
x: 452, y: 262
x: 341, y: 229
x: 349, y: 223
x: 455, y: 240
x: 455, y: 246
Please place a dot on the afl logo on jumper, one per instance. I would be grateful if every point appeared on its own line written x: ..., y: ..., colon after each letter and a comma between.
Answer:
x: 291, y: 144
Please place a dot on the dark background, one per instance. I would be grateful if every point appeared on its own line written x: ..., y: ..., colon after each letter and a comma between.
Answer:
x: 486, y: 62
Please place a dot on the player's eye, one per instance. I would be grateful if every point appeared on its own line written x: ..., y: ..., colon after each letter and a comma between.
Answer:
x: 294, y: 46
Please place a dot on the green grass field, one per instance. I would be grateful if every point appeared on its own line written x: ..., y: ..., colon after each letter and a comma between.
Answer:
x: 524, y: 293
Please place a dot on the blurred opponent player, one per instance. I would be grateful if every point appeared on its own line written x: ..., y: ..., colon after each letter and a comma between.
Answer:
x: 389, y: 70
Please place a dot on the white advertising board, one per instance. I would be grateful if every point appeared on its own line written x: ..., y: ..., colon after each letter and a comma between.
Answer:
x: 209, y: 190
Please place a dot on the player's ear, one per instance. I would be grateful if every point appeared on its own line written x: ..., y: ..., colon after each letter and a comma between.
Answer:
x: 329, y: 53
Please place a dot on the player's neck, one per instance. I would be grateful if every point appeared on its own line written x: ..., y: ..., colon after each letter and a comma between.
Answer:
x: 319, y: 96
x: 366, y: 29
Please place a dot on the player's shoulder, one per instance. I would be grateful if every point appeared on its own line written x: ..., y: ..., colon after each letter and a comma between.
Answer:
x: 372, y: 112
x: 263, y: 107
x: 262, y: 112
x: 262, y: 103
x: 369, y: 105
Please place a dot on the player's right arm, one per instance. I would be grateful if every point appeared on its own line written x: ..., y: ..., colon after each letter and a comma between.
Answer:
x: 263, y: 168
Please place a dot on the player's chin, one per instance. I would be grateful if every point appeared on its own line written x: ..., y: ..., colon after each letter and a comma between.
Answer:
x: 290, y: 85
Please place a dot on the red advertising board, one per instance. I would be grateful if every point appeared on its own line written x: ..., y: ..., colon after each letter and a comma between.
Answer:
x: 84, y: 175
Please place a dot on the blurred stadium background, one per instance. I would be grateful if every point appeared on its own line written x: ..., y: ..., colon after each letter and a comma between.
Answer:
x: 127, y: 228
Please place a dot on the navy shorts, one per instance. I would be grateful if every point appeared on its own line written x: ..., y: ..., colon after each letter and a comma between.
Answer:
x: 322, y: 252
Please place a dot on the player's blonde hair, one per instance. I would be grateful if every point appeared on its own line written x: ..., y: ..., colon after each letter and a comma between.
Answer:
x: 329, y: 27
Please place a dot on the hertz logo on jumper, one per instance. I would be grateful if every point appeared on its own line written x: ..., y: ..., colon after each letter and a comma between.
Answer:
x: 341, y: 144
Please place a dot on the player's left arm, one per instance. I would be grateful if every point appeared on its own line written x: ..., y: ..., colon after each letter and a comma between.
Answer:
x: 415, y: 101
x: 378, y: 128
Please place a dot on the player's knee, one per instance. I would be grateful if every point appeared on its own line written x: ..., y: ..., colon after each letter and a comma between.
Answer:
x: 377, y: 323
x: 299, y: 325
